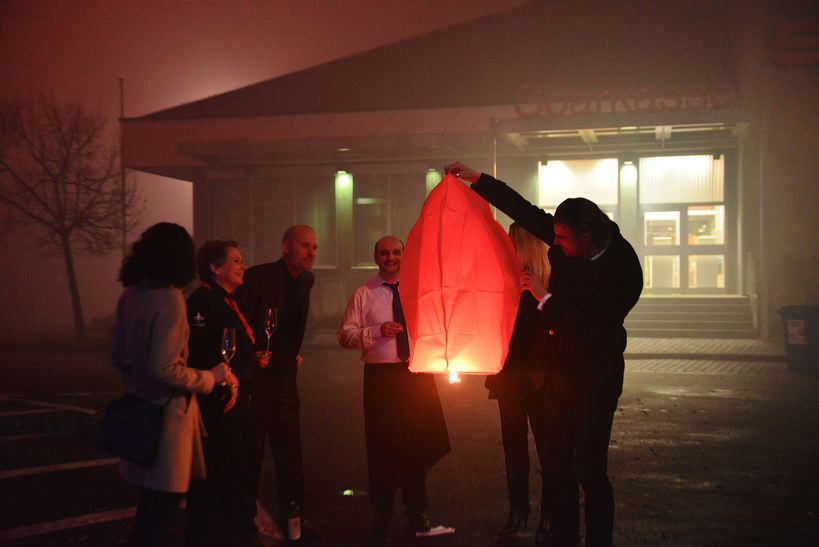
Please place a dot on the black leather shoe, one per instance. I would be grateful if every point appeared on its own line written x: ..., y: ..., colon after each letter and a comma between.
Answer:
x: 417, y: 523
x: 517, y: 522
x: 543, y: 536
x: 379, y: 531
x: 380, y: 527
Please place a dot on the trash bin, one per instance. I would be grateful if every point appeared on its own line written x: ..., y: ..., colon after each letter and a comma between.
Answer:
x: 801, y: 337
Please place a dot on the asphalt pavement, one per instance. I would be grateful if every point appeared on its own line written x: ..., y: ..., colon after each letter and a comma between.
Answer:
x: 714, y: 443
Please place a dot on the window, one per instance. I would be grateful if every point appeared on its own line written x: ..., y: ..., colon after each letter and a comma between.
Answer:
x: 594, y: 179
x: 230, y: 209
x: 316, y: 206
x: 662, y: 272
x: 706, y: 271
x: 706, y: 225
x: 384, y: 204
x: 272, y: 214
x: 684, y: 224
x: 370, y: 215
x: 682, y: 179
x: 662, y: 228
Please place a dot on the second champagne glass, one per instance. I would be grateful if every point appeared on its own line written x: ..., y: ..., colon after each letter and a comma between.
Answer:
x: 271, y: 323
x: 228, y: 345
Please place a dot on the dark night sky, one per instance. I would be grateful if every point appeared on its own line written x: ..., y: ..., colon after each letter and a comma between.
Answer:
x: 170, y: 52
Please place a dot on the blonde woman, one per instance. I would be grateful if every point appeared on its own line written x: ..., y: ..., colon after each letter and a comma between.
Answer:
x: 519, y: 387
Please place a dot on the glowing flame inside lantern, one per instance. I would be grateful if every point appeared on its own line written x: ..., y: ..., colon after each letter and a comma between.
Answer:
x: 454, y: 378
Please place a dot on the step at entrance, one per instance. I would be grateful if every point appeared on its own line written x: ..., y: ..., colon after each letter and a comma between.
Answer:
x: 691, y: 317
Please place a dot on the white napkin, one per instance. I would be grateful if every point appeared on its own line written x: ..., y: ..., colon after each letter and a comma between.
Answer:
x: 436, y: 531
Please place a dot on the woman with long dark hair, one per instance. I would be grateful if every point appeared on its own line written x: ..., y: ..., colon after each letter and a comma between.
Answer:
x: 150, y: 350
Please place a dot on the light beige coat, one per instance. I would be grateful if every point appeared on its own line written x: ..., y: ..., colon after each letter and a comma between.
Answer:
x: 150, y: 350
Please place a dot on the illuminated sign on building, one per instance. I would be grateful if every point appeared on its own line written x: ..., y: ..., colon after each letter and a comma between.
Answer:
x: 535, y: 100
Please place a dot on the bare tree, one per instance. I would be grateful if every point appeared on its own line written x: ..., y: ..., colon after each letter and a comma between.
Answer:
x: 59, y: 176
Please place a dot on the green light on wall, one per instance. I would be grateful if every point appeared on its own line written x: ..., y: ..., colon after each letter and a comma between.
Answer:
x: 433, y: 178
x: 628, y: 173
x: 344, y: 180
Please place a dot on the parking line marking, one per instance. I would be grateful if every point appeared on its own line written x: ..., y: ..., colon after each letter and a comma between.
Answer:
x: 43, y: 528
x: 53, y: 406
x: 65, y: 407
x: 27, y: 412
x: 61, y: 406
x: 26, y: 471
x: 12, y: 438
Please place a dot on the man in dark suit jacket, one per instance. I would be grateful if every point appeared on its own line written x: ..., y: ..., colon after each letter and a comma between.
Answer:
x: 285, y: 286
x: 595, y: 280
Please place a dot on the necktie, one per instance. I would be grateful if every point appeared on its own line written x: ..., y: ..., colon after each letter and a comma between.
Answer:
x: 398, y: 315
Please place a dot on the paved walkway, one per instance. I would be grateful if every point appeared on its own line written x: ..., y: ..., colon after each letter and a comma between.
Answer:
x: 716, y: 449
x: 738, y: 349
x: 744, y: 349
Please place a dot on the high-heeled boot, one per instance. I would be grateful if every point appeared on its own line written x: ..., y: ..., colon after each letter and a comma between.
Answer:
x: 517, y: 522
x: 543, y: 536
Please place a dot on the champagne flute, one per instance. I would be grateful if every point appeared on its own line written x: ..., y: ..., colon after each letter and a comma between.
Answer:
x: 271, y: 323
x: 228, y: 347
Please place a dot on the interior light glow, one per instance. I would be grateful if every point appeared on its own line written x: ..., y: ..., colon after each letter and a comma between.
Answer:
x: 628, y: 173
x: 433, y: 178
x: 344, y: 180
x: 454, y: 378
x: 595, y: 179
x: 369, y: 201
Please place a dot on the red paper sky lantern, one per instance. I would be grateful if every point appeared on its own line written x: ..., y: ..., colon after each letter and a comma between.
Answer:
x: 460, y: 284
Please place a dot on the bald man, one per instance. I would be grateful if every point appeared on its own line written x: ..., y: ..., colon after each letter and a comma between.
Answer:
x: 403, y: 421
x: 283, y: 285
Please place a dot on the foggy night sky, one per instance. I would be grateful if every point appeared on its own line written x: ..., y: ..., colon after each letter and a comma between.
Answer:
x: 169, y: 53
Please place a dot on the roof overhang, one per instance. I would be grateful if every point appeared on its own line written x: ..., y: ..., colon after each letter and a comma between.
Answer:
x: 635, y: 132
x: 179, y: 146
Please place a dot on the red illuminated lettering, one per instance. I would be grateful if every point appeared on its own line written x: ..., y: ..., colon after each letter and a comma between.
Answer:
x: 696, y: 98
x: 530, y: 101
x: 644, y: 100
x: 534, y: 100
x: 723, y: 95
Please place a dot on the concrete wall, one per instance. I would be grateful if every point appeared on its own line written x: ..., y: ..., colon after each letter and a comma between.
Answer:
x: 779, y: 166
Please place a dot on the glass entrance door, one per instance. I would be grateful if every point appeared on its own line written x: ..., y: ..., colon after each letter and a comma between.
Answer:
x: 683, y: 224
x: 661, y: 240
x: 706, y: 247
x: 678, y: 225
x: 693, y: 263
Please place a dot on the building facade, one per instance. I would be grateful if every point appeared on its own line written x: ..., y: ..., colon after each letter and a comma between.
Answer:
x: 692, y: 123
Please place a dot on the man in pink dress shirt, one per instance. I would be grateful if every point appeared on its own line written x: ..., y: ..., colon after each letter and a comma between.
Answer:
x: 404, y: 424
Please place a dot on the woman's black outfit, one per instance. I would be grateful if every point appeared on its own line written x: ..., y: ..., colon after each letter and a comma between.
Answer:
x: 582, y: 325
x: 214, y: 511
x: 519, y: 390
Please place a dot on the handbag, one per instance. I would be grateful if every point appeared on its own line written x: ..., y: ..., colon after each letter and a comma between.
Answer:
x: 130, y: 428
